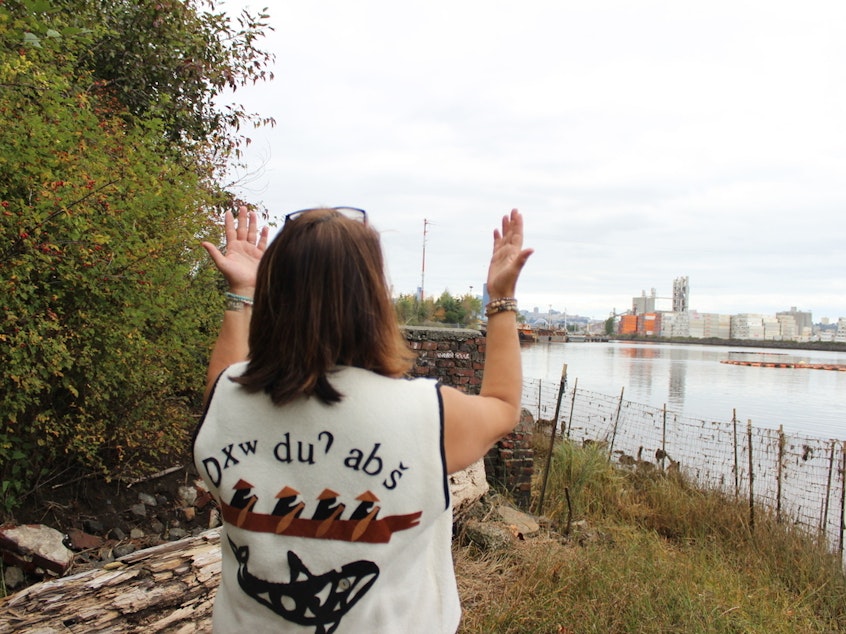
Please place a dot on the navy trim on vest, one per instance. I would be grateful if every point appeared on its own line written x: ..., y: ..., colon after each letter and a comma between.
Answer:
x: 443, y: 445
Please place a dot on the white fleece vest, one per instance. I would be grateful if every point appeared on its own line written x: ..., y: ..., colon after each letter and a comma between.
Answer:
x: 337, y: 518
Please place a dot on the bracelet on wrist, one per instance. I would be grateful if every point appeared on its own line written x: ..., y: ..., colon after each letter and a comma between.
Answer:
x: 500, y: 305
x: 237, y: 302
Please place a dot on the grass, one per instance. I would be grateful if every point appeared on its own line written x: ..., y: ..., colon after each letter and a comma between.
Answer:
x: 652, y: 554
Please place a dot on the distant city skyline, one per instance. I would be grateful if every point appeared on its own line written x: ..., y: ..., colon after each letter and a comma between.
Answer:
x: 576, y: 314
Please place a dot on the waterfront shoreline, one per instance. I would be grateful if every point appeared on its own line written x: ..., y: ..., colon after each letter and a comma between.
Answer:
x: 837, y: 367
x: 824, y: 346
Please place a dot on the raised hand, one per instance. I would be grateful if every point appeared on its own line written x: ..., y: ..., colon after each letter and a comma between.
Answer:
x: 245, y: 244
x: 508, y: 257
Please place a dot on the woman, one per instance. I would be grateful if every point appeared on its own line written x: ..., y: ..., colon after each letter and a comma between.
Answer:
x: 329, y: 467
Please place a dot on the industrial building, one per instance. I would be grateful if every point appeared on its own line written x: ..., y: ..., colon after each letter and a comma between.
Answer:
x: 646, y: 319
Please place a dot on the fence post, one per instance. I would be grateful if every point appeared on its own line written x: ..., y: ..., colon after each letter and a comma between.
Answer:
x: 842, y: 496
x: 616, y: 420
x: 664, y: 438
x: 736, y: 466
x: 824, y: 513
x: 540, y: 392
x: 572, y: 407
x: 779, y: 471
x: 561, y: 388
x: 751, y: 476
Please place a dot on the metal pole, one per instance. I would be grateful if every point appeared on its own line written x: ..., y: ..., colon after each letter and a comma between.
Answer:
x: 561, y: 388
x: 664, y: 438
x: 572, y: 407
x: 736, y: 465
x: 779, y: 471
x: 616, y: 420
x: 751, y: 476
x: 540, y: 392
x: 423, y: 266
x: 842, y: 497
x: 824, y: 514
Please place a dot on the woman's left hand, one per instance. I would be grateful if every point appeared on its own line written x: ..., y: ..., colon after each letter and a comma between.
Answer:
x: 508, y: 257
x: 245, y: 244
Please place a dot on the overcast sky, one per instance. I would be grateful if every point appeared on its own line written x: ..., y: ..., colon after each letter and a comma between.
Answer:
x: 643, y: 141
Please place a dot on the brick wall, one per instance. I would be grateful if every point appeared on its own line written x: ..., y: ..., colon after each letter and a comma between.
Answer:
x: 510, y: 464
x: 453, y: 356
x: 456, y: 357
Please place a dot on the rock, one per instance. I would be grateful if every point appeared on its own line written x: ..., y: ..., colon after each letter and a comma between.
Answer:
x: 214, y: 518
x: 157, y: 527
x: 136, y: 533
x: 93, y: 526
x: 140, y: 510
x: 524, y: 524
x: 177, y: 533
x: 81, y: 540
x: 188, y: 512
x: 117, y: 534
x: 13, y: 577
x: 122, y: 550
x: 488, y: 535
x: 187, y: 495
x: 35, y: 546
x: 147, y: 499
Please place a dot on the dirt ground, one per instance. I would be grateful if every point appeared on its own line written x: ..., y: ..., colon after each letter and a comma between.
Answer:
x: 105, y: 520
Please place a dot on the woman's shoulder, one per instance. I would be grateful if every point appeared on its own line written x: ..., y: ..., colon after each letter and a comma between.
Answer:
x: 355, y: 374
x: 236, y: 369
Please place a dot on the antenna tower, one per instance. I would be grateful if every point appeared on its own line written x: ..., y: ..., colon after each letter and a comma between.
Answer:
x: 423, y: 268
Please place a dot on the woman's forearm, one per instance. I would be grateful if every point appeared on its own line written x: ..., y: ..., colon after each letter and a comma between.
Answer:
x: 503, y: 373
x: 245, y: 244
x: 231, y: 345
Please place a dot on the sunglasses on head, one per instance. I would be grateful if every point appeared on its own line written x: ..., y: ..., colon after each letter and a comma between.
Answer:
x: 353, y: 213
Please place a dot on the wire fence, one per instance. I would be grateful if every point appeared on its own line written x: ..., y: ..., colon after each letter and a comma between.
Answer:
x: 801, y: 478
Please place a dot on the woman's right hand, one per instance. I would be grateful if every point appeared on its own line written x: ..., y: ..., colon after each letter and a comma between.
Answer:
x: 245, y: 244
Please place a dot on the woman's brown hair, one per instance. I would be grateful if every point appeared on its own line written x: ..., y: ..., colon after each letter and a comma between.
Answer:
x: 321, y: 301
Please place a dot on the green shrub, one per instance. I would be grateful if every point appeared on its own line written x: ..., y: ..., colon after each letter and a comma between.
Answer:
x: 109, y: 305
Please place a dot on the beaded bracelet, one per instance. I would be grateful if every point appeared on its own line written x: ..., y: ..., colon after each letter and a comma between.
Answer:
x: 237, y: 302
x: 500, y: 305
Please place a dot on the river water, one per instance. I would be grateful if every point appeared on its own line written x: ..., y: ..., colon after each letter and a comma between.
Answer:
x: 690, y: 380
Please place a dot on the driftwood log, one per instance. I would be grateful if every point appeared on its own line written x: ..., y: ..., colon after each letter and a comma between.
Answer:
x: 166, y: 589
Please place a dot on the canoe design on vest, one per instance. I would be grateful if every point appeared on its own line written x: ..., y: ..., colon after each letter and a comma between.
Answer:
x: 326, y: 522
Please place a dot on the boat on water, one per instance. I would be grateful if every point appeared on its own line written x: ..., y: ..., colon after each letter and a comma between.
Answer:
x: 544, y: 335
x: 551, y: 334
x: 526, y: 333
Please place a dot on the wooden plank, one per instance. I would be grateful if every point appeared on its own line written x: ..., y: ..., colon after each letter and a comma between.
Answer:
x: 167, y: 589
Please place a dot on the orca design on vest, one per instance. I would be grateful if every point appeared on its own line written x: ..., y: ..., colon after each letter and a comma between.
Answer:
x: 320, y: 601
